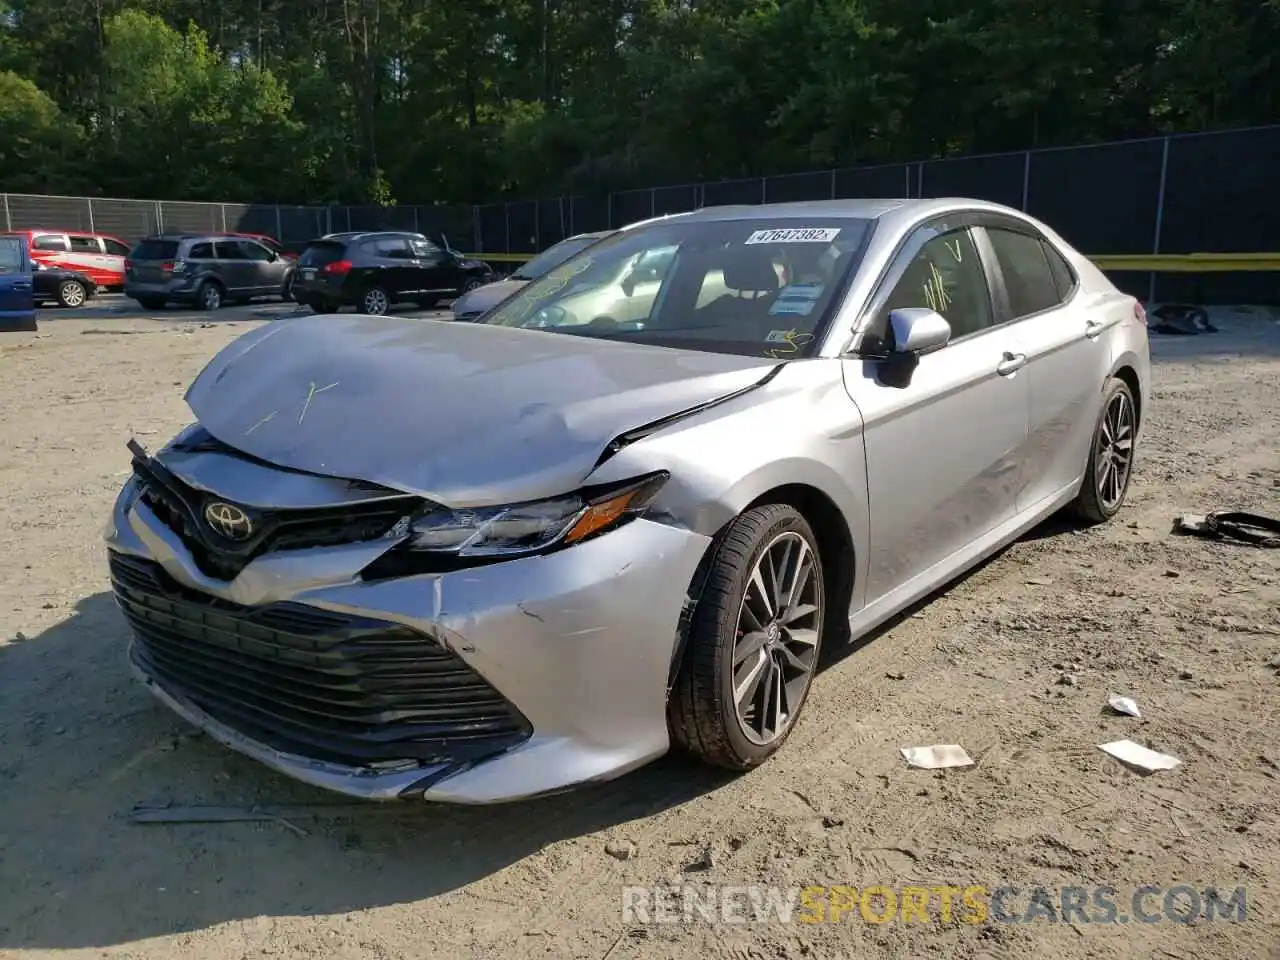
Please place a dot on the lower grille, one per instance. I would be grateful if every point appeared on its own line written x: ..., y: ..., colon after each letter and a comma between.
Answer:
x: 324, y: 685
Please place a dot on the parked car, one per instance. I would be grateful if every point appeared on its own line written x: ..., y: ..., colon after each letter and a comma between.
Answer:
x: 473, y: 562
x: 17, y: 301
x: 67, y: 288
x: 204, y: 270
x: 98, y: 256
x: 485, y: 298
x: 373, y: 271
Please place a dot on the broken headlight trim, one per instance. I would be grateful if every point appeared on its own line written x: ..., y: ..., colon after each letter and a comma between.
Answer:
x: 526, y: 528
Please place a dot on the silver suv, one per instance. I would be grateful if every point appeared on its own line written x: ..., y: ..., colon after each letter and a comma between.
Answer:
x: 204, y: 271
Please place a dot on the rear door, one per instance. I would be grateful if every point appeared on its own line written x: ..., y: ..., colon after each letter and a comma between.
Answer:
x: 234, y: 268
x: 17, y: 303
x: 1067, y: 356
x: 151, y: 261
x: 394, y: 265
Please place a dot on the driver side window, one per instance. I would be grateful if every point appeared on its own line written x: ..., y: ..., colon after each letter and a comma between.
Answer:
x: 945, y: 276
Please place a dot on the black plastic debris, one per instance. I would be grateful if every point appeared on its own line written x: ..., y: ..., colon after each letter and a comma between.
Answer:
x: 1181, y: 320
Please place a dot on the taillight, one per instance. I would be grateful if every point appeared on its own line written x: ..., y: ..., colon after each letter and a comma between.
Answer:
x: 128, y: 264
x: 1139, y: 312
x: 337, y: 268
x: 167, y: 266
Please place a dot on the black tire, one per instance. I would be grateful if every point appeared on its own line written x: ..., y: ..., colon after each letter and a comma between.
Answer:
x: 286, y: 289
x: 472, y: 284
x: 151, y: 303
x: 701, y: 712
x: 374, y: 301
x: 210, y: 296
x: 72, y: 294
x: 1098, y: 501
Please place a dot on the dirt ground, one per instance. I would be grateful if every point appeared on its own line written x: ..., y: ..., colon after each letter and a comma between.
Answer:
x: 1016, y: 663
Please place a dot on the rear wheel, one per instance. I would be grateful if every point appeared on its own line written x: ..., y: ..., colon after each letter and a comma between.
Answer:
x: 1106, y: 479
x: 374, y: 301
x: 754, y: 641
x: 72, y: 293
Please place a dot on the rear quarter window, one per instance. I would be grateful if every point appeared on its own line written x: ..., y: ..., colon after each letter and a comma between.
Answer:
x: 1063, y: 275
x: 49, y: 243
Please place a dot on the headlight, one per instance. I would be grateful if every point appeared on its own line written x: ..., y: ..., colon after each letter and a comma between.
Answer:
x: 530, y: 527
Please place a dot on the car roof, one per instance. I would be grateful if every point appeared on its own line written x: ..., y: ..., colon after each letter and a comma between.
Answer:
x: 360, y: 234
x: 859, y: 208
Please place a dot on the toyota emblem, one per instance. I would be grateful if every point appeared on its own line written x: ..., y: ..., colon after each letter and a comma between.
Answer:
x: 228, y: 521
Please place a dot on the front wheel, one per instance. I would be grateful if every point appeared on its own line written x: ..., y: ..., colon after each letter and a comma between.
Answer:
x: 209, y: 296
x: 754, y: 641
x: 72, y: 293
x: 1106, y: 478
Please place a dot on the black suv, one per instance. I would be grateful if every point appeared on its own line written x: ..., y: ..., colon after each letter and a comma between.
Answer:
x: 203, y: 269
x: 372, y: 271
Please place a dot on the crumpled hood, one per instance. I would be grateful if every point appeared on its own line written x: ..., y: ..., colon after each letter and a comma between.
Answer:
x: 463, y: 414
x: 485, y: 298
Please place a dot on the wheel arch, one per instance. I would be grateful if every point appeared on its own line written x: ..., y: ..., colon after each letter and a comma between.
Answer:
x: 1126, y: 372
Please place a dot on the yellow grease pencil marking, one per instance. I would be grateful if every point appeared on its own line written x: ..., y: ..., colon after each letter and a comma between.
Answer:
x: 311, y: 392
x: 270, y: 416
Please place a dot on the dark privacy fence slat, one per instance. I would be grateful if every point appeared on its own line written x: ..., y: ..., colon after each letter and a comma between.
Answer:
x: 1206, y: 192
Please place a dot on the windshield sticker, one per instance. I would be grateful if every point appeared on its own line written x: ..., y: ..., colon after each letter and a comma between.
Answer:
x: 551, y: 284
x: 788, y: 343
x: 795, y: 235
x: 796, y: 300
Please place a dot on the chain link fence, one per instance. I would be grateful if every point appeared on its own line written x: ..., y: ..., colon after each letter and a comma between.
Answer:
x: 1190, y: 193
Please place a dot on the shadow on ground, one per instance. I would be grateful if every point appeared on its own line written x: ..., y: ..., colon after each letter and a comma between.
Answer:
x: 81, y: 743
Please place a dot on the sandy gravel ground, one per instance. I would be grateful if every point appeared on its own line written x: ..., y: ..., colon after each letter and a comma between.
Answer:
x: 1016, y: 663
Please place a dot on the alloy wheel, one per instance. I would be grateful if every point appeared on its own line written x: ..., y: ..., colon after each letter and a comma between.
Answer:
x: 211, y: 298
x: 73, y: 294
x: 775, y: 653
x: 375, y: 302
x: 1114, y: 452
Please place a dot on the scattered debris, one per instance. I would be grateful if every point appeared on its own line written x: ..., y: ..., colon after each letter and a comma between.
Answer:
x: 706, y: 861
x: 1124, y: 705
x: 831, y: 823
x: 1038, y: 581
x: 1186, y: 675
x: 938, y: 757
x: 1068, y: 680
x: 1138, y: 757
x: 1181, y: 320
x: 621, y: 849
x: 896, y: 675
x: 20, y: 637
x: 1250, y: 528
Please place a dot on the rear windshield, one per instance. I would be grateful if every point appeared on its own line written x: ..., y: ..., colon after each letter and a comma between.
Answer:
x: 155, y: 250
x: 322, y: 252
x: 552, y: 257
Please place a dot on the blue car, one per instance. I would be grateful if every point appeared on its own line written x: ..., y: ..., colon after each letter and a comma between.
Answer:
x: 17, y: 296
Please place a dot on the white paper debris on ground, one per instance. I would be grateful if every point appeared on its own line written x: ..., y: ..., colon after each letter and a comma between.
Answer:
x: 1139, y: 757
x: 938, y: 757
x: 1124, y: 705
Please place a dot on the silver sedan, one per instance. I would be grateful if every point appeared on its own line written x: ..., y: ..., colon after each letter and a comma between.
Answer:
x: 478, y: 562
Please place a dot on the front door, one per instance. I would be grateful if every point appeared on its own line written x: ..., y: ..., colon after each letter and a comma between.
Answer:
x: 17, y: 297
x: 942, y: 450
x: 234, y: 268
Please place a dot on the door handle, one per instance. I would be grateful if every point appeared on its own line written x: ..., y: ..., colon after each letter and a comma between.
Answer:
x: 1011, y: 364
x: 1093, y: 329
x: 22, y: 285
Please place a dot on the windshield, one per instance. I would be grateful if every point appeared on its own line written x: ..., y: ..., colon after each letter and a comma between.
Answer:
x: 757, y: 286
x: 552, y: 257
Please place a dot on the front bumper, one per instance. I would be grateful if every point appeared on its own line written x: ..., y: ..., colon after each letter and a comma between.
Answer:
x: 579, y: 643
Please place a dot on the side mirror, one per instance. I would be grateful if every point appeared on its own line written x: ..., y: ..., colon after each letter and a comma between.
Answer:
x: 918, y: 330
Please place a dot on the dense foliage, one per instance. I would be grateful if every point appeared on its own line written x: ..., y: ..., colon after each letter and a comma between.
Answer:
x: 466, y: 100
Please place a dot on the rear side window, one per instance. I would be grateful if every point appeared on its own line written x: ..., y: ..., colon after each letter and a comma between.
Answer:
x: 1063, y: 275
x: 394, y: 248
x: 201, y: 251
x: 115, y: 247
x: 85, y: 245
x: 322, y: 253
x: 229, y: 250
x: 155, y: 250
x: 1028, y: 278
x: 49, y: 243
